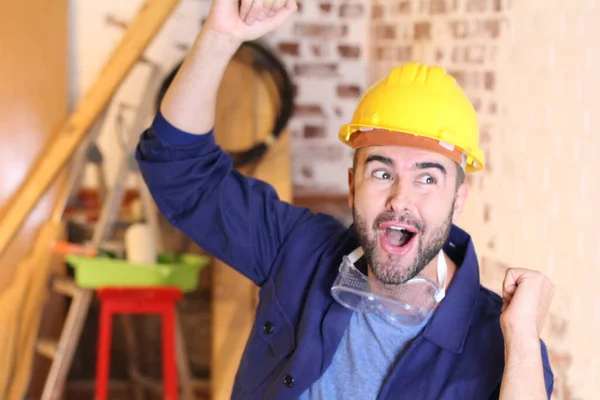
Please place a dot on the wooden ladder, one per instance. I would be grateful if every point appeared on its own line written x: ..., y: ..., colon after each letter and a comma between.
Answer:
x: 62, y: 352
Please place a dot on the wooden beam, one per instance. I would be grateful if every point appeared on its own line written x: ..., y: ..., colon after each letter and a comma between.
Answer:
x: 137, y: 37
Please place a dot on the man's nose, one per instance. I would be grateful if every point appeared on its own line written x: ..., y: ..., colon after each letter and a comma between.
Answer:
x: 399, y: 198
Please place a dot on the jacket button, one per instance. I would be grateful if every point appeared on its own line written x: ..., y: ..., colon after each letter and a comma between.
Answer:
x: 288, y: 381
x: 268, y: 328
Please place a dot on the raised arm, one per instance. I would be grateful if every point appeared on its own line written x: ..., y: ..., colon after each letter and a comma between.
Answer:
x: 237, y: 219
x: 190, y: 102
x: 527, y: 375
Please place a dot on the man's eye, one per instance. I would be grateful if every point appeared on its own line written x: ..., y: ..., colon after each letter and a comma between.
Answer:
x: 382, y: 174
x: 428, y: 179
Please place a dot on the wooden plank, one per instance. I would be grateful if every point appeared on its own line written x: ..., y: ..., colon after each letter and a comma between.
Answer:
x: 249, y: 119
x: 20, y: 312
x: 137, y: 37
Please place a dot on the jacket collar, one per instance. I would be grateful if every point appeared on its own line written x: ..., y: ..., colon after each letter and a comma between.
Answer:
x: 451, y: 321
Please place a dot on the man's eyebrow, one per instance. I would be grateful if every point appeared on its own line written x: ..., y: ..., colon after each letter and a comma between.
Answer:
x: 428, y: 165
x: 380, y: 158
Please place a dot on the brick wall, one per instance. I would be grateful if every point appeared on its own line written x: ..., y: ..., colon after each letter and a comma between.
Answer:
x: 325, y: 47
x: 528, y: 68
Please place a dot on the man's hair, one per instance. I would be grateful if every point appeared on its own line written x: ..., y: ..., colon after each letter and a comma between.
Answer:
x: 460, y: 172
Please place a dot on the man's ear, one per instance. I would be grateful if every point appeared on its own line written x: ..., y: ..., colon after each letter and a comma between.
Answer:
x: 462, y: 193
x: 351, y: 187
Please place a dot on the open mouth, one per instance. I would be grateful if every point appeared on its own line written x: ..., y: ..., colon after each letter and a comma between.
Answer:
x: 395, y: 238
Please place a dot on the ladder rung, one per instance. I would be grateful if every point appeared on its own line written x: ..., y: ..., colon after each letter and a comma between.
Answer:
x: 47, y: 348
x: 64, y: 286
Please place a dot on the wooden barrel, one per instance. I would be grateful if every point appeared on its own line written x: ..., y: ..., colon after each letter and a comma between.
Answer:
x: 254, y: 103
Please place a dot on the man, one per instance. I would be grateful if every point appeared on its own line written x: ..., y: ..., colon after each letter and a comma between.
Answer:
x: 390, y: 308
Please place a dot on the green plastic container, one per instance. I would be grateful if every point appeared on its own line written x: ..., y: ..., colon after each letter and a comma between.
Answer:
x: 96, y: 272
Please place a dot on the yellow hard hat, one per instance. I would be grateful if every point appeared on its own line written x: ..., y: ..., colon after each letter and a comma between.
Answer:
x: 421, y: 106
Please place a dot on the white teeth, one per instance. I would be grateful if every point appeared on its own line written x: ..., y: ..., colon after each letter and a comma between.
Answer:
x: 397, y: 228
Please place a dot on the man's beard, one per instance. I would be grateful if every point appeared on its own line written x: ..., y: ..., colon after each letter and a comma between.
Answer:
x: 430, y: 242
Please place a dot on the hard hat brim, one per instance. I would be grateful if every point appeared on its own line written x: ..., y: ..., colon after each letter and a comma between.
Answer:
x: 363, y: 136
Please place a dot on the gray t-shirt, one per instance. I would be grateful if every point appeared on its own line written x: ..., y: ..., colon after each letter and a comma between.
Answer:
x: 369, y: 349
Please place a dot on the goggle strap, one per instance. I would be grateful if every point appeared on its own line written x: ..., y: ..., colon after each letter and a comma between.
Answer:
x: 355, y: 255
x: 442, y: 272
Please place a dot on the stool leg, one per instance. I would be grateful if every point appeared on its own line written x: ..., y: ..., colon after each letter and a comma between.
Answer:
x: 185, y: 376
x: 132, y: 355
x: 103, y: 356
x: 168, y: 344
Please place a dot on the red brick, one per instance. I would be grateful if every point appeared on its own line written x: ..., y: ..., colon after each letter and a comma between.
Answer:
x: 307, y: 171
x: 312, y: 131
x: 460, y: 29
x: 348, y: 51
x: 316, y: 69
x: 476, y: 29
x: 377, y: 11
x: 490, y: 80
x: 404, y: 7
x: 325, y: 7
x: 380, y: 54
x: 322, y: 31
x: 458, y: 54
x: 308, y: 110
x: 439, y: 55
x: 476, y: 102
x: 475, y: 6
x: 352, y: 10
x: 492, y: 28
x: 439, y: 7
x: 319, y: 49
x: 323, y: 151
x: 422, y: 30
x: 348, y: 91
x: 460, y: 77
x: 404, y: 53
x: 290, y: 48
x: 385, y: 32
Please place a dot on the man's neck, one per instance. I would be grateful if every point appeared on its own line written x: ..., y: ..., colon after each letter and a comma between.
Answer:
x: 430, y: 271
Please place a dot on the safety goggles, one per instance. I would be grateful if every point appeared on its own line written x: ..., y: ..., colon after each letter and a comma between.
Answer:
x: 409, y: 303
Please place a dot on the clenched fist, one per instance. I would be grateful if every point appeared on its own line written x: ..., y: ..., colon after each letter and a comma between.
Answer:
x: 527, y: 296
x: 248, y: 19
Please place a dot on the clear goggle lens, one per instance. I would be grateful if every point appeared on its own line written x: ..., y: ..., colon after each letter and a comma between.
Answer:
x: 408, y: 304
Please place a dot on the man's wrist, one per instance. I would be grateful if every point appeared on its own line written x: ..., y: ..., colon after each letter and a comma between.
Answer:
x: 521, y: 340
x: 219, y: 42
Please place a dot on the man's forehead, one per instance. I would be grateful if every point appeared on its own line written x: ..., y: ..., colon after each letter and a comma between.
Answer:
x: 404, y: 154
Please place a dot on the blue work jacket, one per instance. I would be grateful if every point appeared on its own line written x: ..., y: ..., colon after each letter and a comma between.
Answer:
x: 293, y: 255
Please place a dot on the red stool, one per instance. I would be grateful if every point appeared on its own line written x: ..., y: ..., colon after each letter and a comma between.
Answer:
x: 138, y: 300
